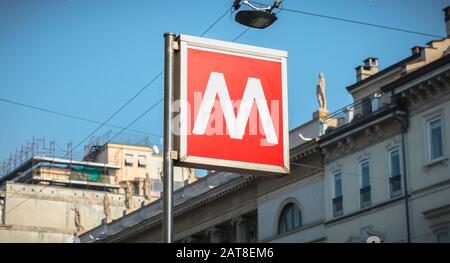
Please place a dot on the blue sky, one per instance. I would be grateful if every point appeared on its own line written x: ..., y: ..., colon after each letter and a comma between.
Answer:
x: 87, y: 58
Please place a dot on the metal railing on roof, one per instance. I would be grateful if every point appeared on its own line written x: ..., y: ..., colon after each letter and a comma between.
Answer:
x: 36, y: 147
x: 96, y: 142
x: 358, y: 110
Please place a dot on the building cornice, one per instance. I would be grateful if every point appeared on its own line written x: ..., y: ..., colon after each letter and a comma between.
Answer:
x: 417, y: 74
x: 304, y: 150
x: 437, y: 212
x: 123, y: 228
x: 358, y: 126
x: 361, y: 212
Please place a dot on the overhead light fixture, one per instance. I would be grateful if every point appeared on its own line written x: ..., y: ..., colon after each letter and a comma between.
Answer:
x: 258, y: 17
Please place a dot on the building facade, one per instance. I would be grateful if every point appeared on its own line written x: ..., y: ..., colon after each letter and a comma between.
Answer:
x: 44, y: 198
x: 377, y: 167
x: 235, y: 208
x: 386, y: 162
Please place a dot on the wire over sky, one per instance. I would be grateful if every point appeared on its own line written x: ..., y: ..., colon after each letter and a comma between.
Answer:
x: 353, y: 21
x: 72, y: 116
x: 112, y: 116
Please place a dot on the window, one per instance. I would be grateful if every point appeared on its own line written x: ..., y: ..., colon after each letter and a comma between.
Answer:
x: 395, y: 177
x: 364, y: 190
x: 337, y: 195
x: 142, y: 161
x: 128, y: 160
x: 435, y: 141
x: 157, y: 186
x: 178, y: 185
x: 442, y: 236
x: 290, y: 218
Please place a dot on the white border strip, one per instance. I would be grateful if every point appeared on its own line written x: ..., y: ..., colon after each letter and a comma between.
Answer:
x: 233, y: 47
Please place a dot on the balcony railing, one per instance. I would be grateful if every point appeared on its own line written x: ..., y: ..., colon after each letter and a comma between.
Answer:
x: 355, y: 111
x: 395, y: 184
x: 365, y: 197
x: 338, y: 207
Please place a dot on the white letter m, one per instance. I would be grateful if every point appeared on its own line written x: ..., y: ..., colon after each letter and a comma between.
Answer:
x: 236, y: 125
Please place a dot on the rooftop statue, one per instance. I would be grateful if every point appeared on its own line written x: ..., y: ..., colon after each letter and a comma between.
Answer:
x: 320, y: 93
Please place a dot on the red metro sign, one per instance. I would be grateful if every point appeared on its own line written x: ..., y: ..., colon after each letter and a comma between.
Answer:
x: 232, y: 102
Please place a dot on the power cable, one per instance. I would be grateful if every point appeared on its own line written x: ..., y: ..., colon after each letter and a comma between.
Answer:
x: 241, y: 34
x: 138, y: 118
x: 347, y: 20
x: 144, y: 88
x: 73, y: 116
x: 120, y: 109
x: 215, y: 22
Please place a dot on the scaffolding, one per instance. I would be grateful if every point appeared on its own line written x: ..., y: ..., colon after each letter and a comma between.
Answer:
x: 61, y: 165
x: 35, y: 147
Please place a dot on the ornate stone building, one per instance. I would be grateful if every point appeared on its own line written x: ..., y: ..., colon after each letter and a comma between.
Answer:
x: 49, y: 199
x: 230, y: 207
x: 386, y: 162
x: 377, y: 167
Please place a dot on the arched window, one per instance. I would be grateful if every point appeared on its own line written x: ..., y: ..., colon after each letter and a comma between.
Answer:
x: 290, y: 218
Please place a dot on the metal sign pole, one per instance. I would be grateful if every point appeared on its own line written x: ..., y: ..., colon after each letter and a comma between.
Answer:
x: 168, y: 139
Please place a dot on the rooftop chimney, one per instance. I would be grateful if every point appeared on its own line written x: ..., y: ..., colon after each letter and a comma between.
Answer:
x: 369, y: 68
x: 447, y: 19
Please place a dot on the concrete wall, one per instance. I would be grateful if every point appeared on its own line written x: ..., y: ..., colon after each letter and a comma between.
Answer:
x: 20, y: 234
x: 389, y: 222
x: 40, y: 207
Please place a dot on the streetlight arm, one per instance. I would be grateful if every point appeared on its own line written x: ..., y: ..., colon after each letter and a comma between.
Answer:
x: 246, y: 2
x: 237, y: 4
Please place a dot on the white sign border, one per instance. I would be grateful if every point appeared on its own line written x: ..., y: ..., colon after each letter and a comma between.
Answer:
x: 237, y: 50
